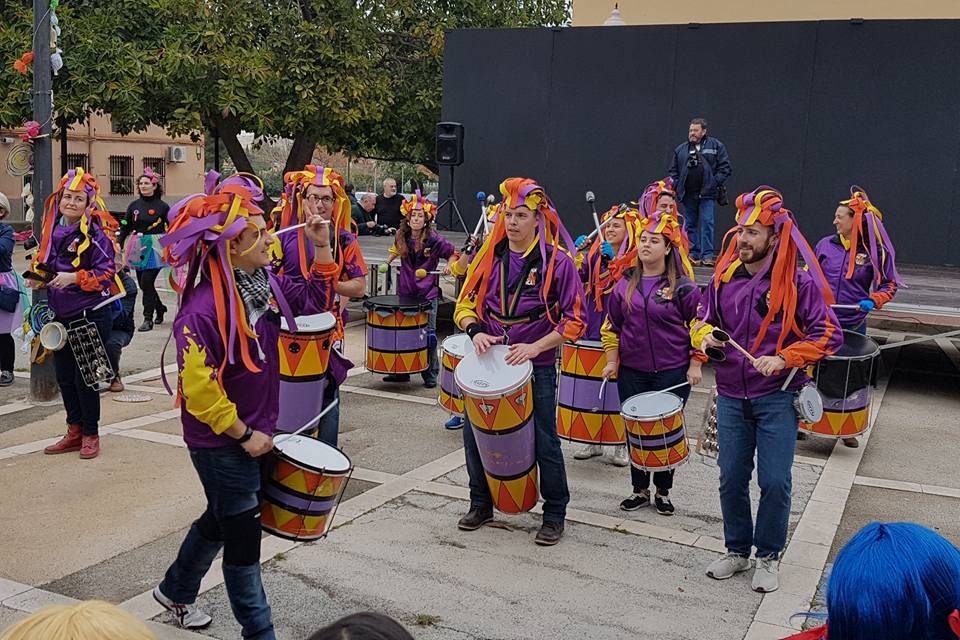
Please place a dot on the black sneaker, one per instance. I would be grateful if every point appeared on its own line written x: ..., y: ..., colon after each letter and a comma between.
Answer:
x: 663, y: 505
x: 636, y: 501
x: 146, y: 326
x: 159, y: 315
x: 549, y: 534
x: 397, y: 377
x: 475, y: 519
x: 6, y: 378
x: 430, y: 384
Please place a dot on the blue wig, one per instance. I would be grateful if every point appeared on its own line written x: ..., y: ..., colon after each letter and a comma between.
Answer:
x: 896, y: 581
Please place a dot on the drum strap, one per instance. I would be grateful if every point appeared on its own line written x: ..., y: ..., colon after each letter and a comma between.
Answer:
x: 529, y: 317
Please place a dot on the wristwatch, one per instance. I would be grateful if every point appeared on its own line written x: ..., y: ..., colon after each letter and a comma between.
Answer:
x: 246, y: 436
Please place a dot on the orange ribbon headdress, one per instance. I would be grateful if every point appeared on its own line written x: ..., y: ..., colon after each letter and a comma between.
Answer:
x: 764, y: 205
x: 198, y: 238
x: 868, y: 220
x: 295, y: 189
x: 96, y: 212
x: 418, y: 203
x: 520, y: 192
x: 626, y: 254
x: 648, y: 201
x: 671, y: 228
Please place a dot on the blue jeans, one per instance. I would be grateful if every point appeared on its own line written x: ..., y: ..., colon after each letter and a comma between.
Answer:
x: 231, y: 482
x: 553, y: 475
x: 767, y: 426
x: 114, y: 345
x: 699, y: 215
x: 630, y: 382
x: 433, y: 363
x: 329, y: 425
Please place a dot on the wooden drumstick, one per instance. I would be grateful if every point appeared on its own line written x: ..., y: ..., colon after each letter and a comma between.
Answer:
x: 296, y: 226
x: 676, y: 386
x: 310, y: 424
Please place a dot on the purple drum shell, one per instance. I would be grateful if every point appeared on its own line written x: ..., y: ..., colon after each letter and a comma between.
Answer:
x: 300, y: 402
x: 393, y: 341
x: 583, y: 394
x: 299, y: 504
x: 854, y: 402
x: 656, y: 443
x: 448, y: 384
x: 508, y: 455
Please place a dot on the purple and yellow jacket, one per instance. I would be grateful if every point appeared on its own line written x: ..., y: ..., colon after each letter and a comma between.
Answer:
x: 739, y: 307
x: 594, y: 318
x: 833, y: 253
x: 95, y: 274
x: 427, y: 257
x: 286, y: 261
x: 213, y: 399
x: 513, y: 307
x: 652, y: 333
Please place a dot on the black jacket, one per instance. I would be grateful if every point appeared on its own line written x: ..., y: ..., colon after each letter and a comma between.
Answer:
x: 715, y: 162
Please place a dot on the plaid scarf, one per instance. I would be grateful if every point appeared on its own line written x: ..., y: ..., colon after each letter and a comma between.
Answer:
x: 255, y: 292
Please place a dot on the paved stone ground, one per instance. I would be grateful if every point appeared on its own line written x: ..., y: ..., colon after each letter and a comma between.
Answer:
x: 108, y: 528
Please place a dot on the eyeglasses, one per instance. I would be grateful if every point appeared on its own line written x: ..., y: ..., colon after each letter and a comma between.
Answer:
x: 314, y: 198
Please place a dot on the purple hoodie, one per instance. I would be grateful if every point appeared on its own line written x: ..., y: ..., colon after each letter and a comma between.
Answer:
x: 94, y: 275
x: 428, y: 257
x: 212, y: 400
x: 739, y: 308
x: 834, y: 258
x: 653, y: 332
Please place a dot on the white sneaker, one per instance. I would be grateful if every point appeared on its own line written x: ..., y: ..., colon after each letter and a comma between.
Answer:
x: 588, y: 451
x: 727, y: 566
x: 766, y: 577
x: 619, y: 457
x: 187, y: 615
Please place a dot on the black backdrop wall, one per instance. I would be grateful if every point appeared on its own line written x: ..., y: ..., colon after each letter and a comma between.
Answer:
x: 808, y: 107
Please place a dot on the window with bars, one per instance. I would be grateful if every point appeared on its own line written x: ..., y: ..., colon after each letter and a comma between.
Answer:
x: 159, y: 167
x: 121, y: 175
x: 75, y: 160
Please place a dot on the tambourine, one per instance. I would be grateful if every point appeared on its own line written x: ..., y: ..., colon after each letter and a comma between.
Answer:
x: 809, y: 404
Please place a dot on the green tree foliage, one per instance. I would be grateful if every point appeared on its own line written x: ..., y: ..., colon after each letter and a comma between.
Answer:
x: 361, y: 76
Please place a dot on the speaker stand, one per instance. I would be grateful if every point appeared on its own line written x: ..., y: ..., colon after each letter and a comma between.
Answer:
x: 451, y: 200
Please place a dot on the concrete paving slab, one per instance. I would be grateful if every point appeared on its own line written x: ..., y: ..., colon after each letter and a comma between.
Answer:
x: 869, y: 504
x: 915, y: 424
x: 75, y: 513
x: 392, y: 435
x: 407, y: 559
x: 171, y: 427
x: 375, y: 381
x: 599, y: 487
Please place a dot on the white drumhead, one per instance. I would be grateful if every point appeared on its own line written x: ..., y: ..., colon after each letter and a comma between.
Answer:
x: 590, y: 344
x: 313, y: 453
x: 459, y: 345
x: 809, y: 404
x: 312, y: 324
x: 489, y: 375
x: 645, y: 406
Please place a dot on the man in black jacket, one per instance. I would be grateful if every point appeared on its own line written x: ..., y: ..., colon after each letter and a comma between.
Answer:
x: 700, y: 168
x: 388, y: 205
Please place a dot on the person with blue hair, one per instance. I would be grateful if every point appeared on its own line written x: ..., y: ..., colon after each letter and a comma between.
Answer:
x: 896, y: 581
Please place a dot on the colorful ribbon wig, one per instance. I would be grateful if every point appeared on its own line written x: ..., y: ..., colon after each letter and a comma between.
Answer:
x: 295, y: 185
x: 94, y: 213
x: 671, y: 228
x: 764, y: 205
x: 418, y: 203
x: 650, y: 196
x: 601, y: 279
x: 198, y: 238
x: 518, y: 192
x: 868, y: 220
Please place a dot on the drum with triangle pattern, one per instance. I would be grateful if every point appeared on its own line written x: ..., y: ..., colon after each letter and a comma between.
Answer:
x: 656, y: 436
x: 582, y: 415
x: 397, y: 334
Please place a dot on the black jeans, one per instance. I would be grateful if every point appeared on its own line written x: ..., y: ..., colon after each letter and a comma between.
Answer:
x: 630, y: 382
x: 147, y: 279
x: 7, y: 352
x: 81, y: 402
x: 114, y: 345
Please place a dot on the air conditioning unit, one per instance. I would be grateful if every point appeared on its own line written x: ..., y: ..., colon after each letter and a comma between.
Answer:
x: 176, y: 154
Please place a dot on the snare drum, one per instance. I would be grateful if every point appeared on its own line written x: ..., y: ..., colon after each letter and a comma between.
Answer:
x: 656, y: 435
x: 397, y: 334
x: 303, y: 489
x: 498, y: 399
x: 844, y: 381
x: 304, y: 359
x: 582, y: 416
x: 452, y: 350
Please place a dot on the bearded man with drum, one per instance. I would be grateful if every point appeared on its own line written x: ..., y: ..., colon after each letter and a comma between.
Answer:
x: 522, y: 289
x: 780, y: 314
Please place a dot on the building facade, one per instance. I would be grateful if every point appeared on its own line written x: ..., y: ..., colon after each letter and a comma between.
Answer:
x: 116, y: 160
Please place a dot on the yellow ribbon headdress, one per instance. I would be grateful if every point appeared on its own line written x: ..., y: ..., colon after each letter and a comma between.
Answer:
x: 626, y: 253
x: 418, y: 202
x: 295, y: 188
x: 95, y: 212
x: 672, y: 229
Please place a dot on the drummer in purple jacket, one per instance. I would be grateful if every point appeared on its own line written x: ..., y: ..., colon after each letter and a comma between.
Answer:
x: 781, y: 315
x: 864, y: 278
x: 523, y: 289
x: 226, y: 333
x: 646, y: 335
x: 420, y: 249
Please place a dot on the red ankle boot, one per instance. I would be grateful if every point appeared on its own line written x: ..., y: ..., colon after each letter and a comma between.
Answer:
x: 70, y: 442
x: 90, y: 448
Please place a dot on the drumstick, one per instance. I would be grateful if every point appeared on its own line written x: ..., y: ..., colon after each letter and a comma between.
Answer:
x: 676, y: 386
x: 603, y: 385
x: 422, y: 273
x: 311, y: 423
x: 723, y: 336
x: 296, y: 226
x: 844, y: 306
x: 592, y: 199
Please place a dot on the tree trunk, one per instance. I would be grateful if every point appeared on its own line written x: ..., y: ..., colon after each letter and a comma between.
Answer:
x: 229, y: 131
x: 301, y: 153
